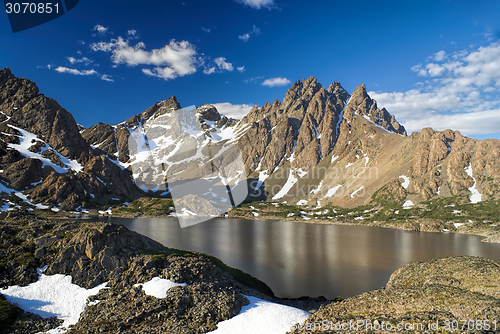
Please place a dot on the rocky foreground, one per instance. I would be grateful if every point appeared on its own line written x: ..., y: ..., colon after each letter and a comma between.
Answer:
x: 446, y: 291
x: 455, y: 288
x: 94, y: 253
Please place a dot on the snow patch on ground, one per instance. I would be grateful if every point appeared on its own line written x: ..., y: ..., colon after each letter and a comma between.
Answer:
x: 50, y: 296
x: 475, y: 195
x: 406, y: 181
x: 158, y: 287
x: 262, y: 317
x: 408, y: 204
x: 302, y: 202
x: 335, y: 157
x: 5, y: 189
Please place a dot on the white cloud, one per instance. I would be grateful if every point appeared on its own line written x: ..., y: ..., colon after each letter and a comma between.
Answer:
x: 440, y: 56
x: 132, y: 33
x: 237, y: 111
x: 83, y: 60
x: 462, y: 92
x: 173, y: 60
x: 62, y: 69
x: 276, y: 82
x: 223, y: 64
x: 257, y: 4
x: 100, y: 29
x: 245, y: 37
x: 207, y: 30
x: 241, y: 69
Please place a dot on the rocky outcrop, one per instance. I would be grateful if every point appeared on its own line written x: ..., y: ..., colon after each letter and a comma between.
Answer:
x: 94, y: 253
x: 63, y: 171
x: 447, y: 289
x: 21, y: 102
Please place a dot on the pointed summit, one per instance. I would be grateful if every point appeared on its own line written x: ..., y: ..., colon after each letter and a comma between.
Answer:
x: 362, y: 104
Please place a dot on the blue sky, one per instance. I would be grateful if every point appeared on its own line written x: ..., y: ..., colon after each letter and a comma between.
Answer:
x: 431, y: 63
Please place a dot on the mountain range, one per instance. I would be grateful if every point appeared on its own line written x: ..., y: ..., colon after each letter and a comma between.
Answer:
x: 318, y: 146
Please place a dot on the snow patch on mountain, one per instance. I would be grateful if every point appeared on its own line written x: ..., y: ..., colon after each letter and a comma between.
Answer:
x: 475, y: 195
x: 332, y: 191
x: 27, y: 139
x: 292, y: 179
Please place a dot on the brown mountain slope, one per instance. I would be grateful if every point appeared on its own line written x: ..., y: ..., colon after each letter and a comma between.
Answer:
x: 317, y: 146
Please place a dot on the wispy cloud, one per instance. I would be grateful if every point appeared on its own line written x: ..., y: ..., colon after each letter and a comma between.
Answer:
x: 62, y: 69
x: 207, y: 30
x: 83, y: 60
x: 101, y: 30
x: 253, y: 79
x: 276, y: 82
x: 245, y: 37
x: 74, y: 71
x: 219, y: 65
x: 233, y: 110
x: 209, y: 70
x: 132, y: 34
x: 241, y: 69
x: 257, y: 4
x: 461, y: 91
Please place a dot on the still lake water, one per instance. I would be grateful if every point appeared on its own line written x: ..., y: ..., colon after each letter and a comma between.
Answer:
x: 298, y: 259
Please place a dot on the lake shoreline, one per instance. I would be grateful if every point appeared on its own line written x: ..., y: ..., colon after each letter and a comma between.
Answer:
x: 488, y: 232
x: 490, y: 235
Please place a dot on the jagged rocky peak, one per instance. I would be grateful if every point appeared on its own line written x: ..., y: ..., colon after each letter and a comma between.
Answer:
x: 208, y: 112
x: 337, y: 93
x: 161, y: 108
x: 362, y: 104
x: 21, y: 102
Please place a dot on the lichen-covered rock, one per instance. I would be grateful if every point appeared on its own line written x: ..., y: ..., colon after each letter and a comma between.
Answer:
x: 445, y: 289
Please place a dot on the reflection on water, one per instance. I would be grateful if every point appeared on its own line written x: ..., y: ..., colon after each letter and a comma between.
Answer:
x: 297, y: 259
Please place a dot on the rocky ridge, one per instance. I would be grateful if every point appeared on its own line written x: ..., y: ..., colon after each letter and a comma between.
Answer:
x: 43, y: 155
x: 318, y: 146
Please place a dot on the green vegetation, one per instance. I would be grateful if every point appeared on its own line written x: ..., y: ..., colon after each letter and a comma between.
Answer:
x: 160, y: 256
x: 146, y: 205
x: 8, y: 313
x: 241, y: 276
x: 455, y: 209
